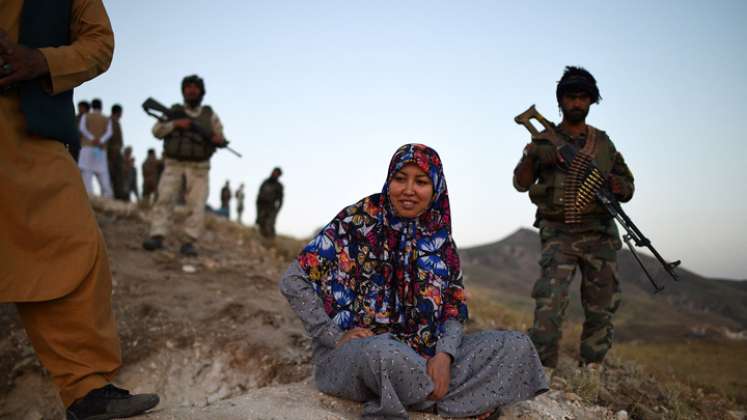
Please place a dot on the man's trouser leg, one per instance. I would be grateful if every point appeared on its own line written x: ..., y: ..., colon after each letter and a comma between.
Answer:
x: 271, y: 218
x: 169, y: 187
x: 75, y: 336
x: 263, y: 215
x: 116, y: 163
x: 600, y: 296
x: 550, y: 293
x: 87, y: 176
x: 197, y: 194
x: 105, y: 183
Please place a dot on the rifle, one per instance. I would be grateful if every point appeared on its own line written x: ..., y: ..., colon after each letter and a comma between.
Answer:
x: 160, y: 112
x: 594, y: 186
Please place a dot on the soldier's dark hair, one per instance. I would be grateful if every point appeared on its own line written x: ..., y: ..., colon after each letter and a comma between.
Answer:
x: 116, y: 109
x: 278, y: 170
x: 84, y: 104
x: 96, y: 104
x: 151, y: 151
x: 196, y: 80
x: 577, y: 79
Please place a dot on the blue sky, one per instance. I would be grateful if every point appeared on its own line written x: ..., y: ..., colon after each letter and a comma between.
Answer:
x: 329, y: 89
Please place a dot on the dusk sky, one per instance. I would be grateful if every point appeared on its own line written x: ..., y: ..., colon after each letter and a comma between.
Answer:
x: 329, y: 89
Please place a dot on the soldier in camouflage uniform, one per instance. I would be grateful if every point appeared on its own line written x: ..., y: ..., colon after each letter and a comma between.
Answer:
x: 589, y: 245
x: 269, y: 201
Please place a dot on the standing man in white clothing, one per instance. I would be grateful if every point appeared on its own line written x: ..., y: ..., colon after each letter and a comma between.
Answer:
x: 95, y: 130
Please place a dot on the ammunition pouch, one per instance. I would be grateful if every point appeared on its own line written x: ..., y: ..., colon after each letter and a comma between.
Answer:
x: 190, y: 144
x: 187, y: 145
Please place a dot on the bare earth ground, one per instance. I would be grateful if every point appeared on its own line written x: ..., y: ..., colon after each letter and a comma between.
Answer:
x: 215, y: 339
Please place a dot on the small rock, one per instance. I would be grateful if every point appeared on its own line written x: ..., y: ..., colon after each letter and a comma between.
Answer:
x: 621, y: 415
x: 736, y: 415
x: 210, y: 263
x: 558, y: 383
x: 33, y: 415
x: 189, y: 269
x: 570, y: 396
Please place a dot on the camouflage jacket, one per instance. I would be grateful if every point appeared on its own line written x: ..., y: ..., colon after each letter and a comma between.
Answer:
x: 547, y: 190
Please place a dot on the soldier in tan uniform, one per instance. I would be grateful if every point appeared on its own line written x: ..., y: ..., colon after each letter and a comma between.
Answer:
x: 590, y: 244
x: 187, y: 154
x: 53, y: 261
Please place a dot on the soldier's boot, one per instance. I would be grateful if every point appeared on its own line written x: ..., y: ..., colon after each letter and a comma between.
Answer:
x: 188, y: 250
x: 110, y: 402
x: 153, y: 243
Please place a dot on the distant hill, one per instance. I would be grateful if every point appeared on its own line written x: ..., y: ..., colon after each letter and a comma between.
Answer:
x: 694, y: 305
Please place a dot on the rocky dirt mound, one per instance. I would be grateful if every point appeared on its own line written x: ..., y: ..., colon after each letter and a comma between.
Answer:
x: 215, y: 339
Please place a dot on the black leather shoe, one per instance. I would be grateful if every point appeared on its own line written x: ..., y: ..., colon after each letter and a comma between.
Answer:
x: 110, y: 402
x: 188, y: 250
x: 153, y: 243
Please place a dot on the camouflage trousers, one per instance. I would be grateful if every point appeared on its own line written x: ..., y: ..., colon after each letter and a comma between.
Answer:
x: 169, y: 188
x: 562, y: 252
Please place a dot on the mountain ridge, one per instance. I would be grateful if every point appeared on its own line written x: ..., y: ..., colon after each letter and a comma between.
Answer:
x: 509, y: 267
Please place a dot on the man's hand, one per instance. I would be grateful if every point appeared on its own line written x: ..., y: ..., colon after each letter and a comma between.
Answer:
x: 545, y: 154
x: 183, y: 123
x: 439, y: 369
x: 19, y: 63
x: 218, y: 139
x: 353, y: 334
x: 616, y: 185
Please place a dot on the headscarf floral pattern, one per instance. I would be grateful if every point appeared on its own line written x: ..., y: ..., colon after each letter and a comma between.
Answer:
x: 375, y: 270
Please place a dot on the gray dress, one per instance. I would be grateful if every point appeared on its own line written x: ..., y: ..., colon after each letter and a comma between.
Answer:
x: 490, y: 368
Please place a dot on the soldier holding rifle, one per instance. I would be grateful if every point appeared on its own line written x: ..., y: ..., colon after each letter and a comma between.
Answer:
x: 583, y: 236
x: 188, y: 144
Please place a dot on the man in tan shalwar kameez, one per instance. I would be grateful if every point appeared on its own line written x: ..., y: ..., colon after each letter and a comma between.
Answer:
x: 53, y: 260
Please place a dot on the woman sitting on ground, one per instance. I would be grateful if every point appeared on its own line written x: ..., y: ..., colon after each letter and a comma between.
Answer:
x: 380, y: 292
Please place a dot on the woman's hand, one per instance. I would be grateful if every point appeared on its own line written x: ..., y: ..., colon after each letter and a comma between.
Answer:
x: 439, y: 369
x: 352, y: 334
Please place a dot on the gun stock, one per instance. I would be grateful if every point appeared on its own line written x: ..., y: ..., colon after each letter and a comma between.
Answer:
x: 151, y: 106
x: 525, y: 119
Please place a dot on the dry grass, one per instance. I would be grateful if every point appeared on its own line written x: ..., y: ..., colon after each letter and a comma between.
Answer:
x: 486, y: 313
x: 713, y: 366
x: 675, y: 380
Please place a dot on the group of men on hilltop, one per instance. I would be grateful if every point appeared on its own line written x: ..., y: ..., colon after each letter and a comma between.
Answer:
x: 103, y: 155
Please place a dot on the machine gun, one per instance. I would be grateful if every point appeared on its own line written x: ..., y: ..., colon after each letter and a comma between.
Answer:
x: 160, y: 112
x: 587, y: 183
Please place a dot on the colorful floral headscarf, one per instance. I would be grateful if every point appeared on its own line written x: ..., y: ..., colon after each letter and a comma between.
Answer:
x: 375, y: 270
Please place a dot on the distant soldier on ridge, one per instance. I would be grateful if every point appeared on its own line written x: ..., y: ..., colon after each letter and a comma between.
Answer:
x: 151, y: 169
x: 269, y: 201
x: 590, y: 242
x: 225, y: 200
x: 240, y: 202
x: 129, y: 175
